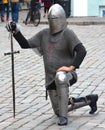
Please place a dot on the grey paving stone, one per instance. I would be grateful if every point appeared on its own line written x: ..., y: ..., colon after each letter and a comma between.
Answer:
x: 33, y: 112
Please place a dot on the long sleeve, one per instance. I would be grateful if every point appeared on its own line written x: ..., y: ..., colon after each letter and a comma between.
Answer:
x: 21, y: 40
x: 80, y: 54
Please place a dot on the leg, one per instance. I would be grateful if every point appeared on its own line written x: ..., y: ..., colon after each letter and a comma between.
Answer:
x: 27, y: 17
x: 44, y: 12
x: 2, y: 13
x: 15, y: 11
x: 90, y: 100
x: 54, y: 101
x: 7, y: 12
x: 62, y: 88
x: 47, y: 9
x: 32, y: 13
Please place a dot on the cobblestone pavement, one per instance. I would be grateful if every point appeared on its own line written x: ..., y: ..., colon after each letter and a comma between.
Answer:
x: 33, y: 112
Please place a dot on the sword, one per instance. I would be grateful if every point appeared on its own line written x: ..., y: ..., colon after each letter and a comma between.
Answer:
x: 12, y: 67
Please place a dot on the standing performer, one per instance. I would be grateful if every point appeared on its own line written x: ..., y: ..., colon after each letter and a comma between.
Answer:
x: 62, y: 53
x: 47, y: 5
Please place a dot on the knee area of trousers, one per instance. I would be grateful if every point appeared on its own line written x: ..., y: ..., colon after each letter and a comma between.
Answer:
x: 61, y: 77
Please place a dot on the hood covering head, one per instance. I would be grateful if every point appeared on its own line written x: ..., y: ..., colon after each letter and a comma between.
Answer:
x: 56, y: 18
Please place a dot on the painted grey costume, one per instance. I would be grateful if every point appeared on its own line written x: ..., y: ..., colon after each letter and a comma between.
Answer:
x: 59, y: 47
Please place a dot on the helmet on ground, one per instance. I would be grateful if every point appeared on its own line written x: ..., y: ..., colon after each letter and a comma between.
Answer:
x: 56, y: 18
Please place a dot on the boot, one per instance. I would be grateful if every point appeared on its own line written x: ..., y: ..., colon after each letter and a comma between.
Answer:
x: 90, y: 100
x: 62, y: 121
x: 93, y: 104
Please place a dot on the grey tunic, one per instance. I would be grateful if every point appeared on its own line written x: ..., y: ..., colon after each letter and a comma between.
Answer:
x: 57, y: 50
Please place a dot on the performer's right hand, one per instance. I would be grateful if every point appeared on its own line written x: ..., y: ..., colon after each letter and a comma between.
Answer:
x: 12, y: 27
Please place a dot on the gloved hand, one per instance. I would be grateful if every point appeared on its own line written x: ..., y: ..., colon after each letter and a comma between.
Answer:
x: 12, y: 27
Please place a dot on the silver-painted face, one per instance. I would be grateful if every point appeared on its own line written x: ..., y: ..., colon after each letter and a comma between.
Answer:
x: 56, y: 18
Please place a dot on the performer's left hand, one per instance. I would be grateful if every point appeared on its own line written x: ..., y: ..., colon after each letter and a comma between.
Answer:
x: 66, y: 69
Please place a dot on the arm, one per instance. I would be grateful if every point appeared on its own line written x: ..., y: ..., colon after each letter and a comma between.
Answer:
x: 21, y: 40
x: 33, y: 42
x: 80, y: 54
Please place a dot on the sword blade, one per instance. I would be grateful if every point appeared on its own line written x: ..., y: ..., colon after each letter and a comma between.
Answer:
x: 13, y: 77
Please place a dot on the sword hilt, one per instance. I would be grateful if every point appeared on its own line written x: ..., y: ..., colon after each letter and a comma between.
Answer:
x: 9, y: 53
